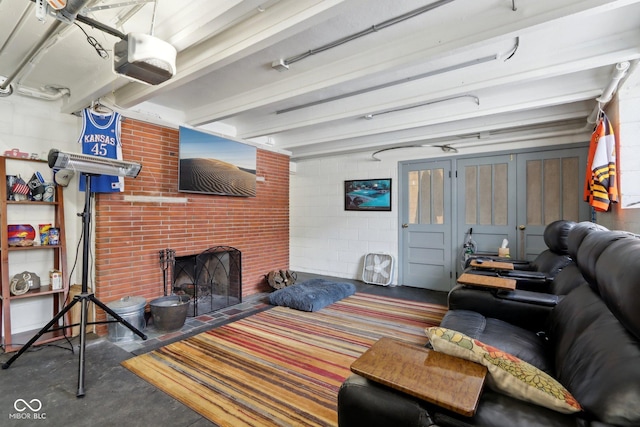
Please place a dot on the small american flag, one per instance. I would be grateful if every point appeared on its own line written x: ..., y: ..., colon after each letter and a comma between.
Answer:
x: 20, y: 187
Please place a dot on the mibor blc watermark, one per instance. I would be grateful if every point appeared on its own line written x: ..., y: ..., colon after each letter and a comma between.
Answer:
x: 28, y: 410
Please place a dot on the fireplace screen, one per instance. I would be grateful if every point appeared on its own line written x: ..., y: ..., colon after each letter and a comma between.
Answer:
x: 213, y: 279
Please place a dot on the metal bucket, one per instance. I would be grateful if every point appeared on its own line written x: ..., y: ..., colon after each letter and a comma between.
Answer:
x: 170, y: 312
x: 130, y: 309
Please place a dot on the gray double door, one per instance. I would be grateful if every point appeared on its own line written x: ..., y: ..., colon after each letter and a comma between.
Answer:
x: 506, y: 196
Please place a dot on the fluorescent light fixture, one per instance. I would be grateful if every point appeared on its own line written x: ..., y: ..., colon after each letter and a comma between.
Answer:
x: 280, y: 65
x: 92, y: 164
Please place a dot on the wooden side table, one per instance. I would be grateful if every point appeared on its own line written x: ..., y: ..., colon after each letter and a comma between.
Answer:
x: 486, y: 281
x: 447, y: 381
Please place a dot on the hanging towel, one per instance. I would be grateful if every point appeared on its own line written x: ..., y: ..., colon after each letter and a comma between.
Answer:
x: 600, y: 182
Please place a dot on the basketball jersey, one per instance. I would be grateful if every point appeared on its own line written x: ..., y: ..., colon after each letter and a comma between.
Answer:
x: 101, y: 137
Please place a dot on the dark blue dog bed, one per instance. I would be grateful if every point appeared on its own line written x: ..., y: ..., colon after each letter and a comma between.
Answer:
x: 311, y: 295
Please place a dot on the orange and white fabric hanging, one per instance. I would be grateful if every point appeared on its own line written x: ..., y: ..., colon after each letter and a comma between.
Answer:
x: 601, y: 188
x: 57, y: 4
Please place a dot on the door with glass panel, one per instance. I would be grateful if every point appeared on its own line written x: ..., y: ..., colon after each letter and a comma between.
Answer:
x: 551, y: 185
x: 486, y: 203
x: 426, y: 225
x: 515, y: 196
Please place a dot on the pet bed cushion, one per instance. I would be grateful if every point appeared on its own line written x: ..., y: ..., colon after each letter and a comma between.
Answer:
x: 311, y: 295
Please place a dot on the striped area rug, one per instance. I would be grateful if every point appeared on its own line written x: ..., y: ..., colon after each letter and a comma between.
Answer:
x: 280, y: 367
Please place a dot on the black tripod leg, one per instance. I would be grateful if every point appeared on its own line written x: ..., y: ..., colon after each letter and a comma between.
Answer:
x: 116, y: 316
x: 83, y: 343
x: 42, y: 331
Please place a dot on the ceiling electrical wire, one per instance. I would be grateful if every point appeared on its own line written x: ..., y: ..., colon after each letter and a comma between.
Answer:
x: 102, y: 52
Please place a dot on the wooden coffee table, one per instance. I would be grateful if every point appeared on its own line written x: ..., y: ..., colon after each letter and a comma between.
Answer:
x: 447, y: 381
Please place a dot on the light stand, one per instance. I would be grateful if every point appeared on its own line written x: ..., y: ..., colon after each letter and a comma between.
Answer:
x: 85, y: 164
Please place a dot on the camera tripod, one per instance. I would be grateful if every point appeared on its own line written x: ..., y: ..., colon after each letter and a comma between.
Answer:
x: 83, y: 298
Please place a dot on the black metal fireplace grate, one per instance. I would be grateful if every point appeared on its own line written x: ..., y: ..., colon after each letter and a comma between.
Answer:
x: 212, y: 278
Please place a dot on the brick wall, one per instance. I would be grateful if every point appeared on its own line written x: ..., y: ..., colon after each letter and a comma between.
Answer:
x: 130, y: 233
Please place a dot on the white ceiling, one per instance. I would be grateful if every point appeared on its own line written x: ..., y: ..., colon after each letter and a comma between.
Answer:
x: 463, y: 73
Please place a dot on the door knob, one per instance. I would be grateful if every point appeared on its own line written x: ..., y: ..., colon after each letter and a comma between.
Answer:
x: 405, y: 225
x: 522, y: 227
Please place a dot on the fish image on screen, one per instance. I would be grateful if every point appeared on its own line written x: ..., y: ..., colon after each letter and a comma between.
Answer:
x: 367, y: 195
x: 211, y: 164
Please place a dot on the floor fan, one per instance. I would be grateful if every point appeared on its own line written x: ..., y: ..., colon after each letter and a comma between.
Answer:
x: 378, y: 269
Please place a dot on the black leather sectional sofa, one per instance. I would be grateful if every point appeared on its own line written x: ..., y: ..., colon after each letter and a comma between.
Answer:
x: 586, y: 335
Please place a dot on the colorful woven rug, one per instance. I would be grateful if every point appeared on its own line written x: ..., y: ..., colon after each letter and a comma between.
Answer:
x: 280, y: 367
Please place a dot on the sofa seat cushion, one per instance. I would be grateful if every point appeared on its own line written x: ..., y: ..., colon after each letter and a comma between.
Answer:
x: 520, y: 342
x: 499, y: 410
x: 507, y: 373
x: 362, y: 402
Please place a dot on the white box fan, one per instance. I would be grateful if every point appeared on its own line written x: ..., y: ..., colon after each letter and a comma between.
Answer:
x: 378, y: 269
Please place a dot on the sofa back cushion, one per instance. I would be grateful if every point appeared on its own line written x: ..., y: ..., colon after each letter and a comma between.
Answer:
x: 550, y: 263
x: 597, y: 359
x: 567, y: 280
x: 578, y: 233
x: 618, y: 278
x: 556, y: 234
x: 591, y: 248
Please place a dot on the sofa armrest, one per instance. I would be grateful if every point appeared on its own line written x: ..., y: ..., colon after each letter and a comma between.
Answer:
x: 528, y: 310
x: 529, y: 297
x: 362, y: 402
x: 518, y: 264
x: 526, y: 280
x: 510, y: 274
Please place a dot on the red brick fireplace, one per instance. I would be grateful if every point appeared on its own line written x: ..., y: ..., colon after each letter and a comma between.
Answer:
x: 150, y: 215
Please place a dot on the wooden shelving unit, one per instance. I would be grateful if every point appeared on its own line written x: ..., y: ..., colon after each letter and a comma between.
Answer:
x: 13, y: 341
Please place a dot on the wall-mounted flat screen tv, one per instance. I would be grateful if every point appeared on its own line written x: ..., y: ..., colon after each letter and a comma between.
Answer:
x: 211, y: 164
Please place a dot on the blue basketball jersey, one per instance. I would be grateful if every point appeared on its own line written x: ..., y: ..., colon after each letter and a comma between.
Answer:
x: 101, y: 137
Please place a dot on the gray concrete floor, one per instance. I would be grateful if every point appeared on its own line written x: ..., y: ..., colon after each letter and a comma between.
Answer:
x: 40, y: 386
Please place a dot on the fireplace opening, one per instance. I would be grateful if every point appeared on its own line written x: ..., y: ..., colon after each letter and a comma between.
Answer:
x: 212, y: 279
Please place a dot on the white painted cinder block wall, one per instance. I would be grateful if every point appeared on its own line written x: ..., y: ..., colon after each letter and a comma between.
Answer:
x: 326, y: 239
x: 624, y: 112
x: 627, y: 105
x: 36, y: 126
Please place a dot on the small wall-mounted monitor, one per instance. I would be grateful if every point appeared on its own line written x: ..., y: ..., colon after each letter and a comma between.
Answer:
x: 367, y: 195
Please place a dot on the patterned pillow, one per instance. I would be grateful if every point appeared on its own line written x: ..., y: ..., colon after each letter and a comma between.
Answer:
x: 507, y: 373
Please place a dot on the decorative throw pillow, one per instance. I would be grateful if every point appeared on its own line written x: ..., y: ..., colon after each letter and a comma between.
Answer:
x: 507, y: 373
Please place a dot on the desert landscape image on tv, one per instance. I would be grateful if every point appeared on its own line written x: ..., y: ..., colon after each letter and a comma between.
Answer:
x: 212, y: 164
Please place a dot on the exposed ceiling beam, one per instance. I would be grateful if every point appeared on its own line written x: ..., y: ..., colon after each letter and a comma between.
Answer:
x: 500, y: 23
x: 453, y: 132
x: 565, y: 112
x: 415, y: 92
x: 276, y: 23
x: 365, y: 128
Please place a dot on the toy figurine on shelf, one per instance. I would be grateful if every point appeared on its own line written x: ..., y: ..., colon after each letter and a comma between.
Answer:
x: 16, y: 153
x: 36, y: 187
